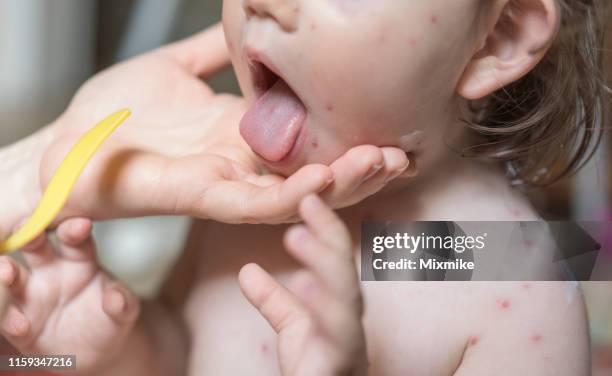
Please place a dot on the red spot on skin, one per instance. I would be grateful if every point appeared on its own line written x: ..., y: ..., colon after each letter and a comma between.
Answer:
x: 313, y: 26
x: 528, y: 243
x: 525, y: 286
x: 503, y: 303
x: 315, y: 144
x: 473, y: 341
x: 433, y: 19
x: 329, y: 107
x: 368, y: 215
x: 264, y: 348
x: 515, y: 212
x: 536, y: 338
x: 412, y: 42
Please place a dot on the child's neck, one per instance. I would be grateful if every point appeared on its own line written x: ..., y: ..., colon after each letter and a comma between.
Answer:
x: 447, y: 190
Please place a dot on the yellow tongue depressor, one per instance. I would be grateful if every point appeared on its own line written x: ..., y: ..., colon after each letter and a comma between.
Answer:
x: 63, y: 181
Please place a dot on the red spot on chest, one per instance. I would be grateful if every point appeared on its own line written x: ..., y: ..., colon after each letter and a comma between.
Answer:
x: 473, y: 341
x: 515, y: 212
x: 536, y: 338
x: 503, y: 304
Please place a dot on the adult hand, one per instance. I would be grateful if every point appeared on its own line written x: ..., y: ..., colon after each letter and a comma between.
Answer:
x: 181, y: 151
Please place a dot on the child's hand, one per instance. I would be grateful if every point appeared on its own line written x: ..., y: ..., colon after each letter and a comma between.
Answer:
x: 65, y: 304
x: 318, y: 322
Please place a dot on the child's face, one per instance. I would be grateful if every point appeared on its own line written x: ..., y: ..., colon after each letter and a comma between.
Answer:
x: 352, y: 72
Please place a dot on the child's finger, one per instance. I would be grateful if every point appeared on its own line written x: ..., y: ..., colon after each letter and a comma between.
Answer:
x: 39, y: 251
x: 275, y: 303
x: 337, y: 319
x: 16, y: 327
x: 336, y: 271
x: 326, y: 225
x: 13, y: 275
x: 352, y: 169
x: 75, y: 239
x: 120, y: 304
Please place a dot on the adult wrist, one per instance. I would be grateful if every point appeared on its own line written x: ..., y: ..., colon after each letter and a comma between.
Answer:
x: 20, y: 175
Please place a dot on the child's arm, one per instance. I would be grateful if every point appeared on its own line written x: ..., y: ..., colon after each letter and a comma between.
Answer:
x: 536, y: 328
x: 318, y: 321
x: 65, y: 304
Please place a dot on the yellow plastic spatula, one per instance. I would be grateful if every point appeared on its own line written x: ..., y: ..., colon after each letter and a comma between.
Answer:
x: 63, y: 181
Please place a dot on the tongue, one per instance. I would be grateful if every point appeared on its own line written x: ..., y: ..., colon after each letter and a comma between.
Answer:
x: 272, y: 125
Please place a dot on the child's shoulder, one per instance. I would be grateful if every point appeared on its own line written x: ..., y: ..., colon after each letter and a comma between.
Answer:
x: 518, y: 324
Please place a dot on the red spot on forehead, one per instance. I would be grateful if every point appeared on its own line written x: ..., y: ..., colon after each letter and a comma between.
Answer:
x: 433, y: 19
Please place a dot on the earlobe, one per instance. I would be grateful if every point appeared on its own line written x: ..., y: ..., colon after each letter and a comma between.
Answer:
x: 523, y: 33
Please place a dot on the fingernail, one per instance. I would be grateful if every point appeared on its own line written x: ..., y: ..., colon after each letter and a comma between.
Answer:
x: 373, y: 171
x: 397, y: 173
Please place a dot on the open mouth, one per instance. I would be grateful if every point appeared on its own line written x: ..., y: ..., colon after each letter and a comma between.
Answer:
x: 275, y: 120
x: 263, y: 77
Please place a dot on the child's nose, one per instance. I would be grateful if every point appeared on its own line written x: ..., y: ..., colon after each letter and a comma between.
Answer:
x: 284, y: 12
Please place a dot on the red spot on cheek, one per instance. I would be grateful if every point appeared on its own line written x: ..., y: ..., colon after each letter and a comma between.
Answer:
x: 433, y: 19
x: 313, y: 26
x: 329, y: 107
x: 473, y: 341
x: 536, y: 338
x: 412, y: 42
x: 264, y: 348
x: 503, y: 303
x: 315, y: 144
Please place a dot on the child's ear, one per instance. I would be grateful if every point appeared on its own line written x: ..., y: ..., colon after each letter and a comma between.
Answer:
x: 523, y: 33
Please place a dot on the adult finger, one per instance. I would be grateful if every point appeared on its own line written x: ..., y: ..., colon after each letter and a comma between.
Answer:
x: 202, y: 54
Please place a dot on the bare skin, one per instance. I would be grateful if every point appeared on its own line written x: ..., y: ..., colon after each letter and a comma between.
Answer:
x: 406, y: 328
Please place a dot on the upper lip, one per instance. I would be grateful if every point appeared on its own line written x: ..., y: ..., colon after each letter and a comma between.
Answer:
x: 263, y: 72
